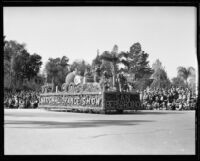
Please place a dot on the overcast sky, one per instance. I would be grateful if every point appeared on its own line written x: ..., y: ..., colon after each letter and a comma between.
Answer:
x: 165, y: 33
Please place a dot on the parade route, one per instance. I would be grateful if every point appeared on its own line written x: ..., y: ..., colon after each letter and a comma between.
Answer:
x: 37, y: 131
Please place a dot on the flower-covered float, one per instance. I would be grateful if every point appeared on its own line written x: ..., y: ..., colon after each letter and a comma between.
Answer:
x: 83, y: 95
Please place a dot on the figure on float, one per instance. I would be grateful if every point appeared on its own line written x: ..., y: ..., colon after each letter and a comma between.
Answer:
x: 69, y: 80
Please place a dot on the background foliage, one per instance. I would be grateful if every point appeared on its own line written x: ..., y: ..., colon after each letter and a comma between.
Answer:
x: 22, y: 69
x: 20, y: 66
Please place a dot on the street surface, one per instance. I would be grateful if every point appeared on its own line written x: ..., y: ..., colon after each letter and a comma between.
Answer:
x: 37, y: 131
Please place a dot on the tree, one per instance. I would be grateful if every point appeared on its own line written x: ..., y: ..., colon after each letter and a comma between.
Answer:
x: 64, y: 63
x: 185, y: 73
x: 160, y: 78
x: 19, y: 64
x: 11, y: 50
x: 113, y: 58
x: 156, y: 65
x: 178, y: 82
x: 26, y: 66
x: 96, y: 61
x: 81, y: 66
x: 56, y: 70
x: 52, y: 69
x: 136, y: 62
x: 103, y: 61
x: 142, y: 84
x: 124, y: 61
x: 192, y: 84
x: 33, y: 65
x: 115, y: 50
x: 186, y: 78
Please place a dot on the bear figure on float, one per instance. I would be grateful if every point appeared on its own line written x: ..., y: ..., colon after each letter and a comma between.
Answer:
x: 73, y: 79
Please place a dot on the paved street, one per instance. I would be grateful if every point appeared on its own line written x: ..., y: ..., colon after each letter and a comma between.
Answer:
x: 144, y: 132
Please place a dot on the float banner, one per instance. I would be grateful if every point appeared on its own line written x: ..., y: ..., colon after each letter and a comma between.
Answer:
x: 94, y: 100
x: 124, y: 101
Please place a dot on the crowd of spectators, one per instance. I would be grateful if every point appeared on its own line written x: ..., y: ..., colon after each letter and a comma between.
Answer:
x: 168, y: 99
x: 158, y: 99
x: 21, y: 99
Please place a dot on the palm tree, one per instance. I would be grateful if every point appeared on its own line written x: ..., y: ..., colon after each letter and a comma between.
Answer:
x: 185, y: 73
x: 113, y: 58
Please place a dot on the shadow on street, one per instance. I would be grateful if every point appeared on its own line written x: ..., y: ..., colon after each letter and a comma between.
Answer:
x: 79, y: 124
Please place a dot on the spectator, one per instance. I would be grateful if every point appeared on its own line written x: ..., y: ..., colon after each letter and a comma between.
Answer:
x: 170, y: 99
x: 21, y: 99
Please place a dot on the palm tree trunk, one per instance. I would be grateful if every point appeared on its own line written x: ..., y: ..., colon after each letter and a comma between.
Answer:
x: 52, y: 81
x: 114, y: 80
x: 113, y: 73
x: 186, y: 82
x: 11, y: 71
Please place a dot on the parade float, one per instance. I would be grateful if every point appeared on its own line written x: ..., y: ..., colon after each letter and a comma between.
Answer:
x: 90, y: 94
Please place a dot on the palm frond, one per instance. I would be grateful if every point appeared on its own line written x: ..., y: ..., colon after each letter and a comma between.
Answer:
x: 191, y: 71
x: 182, y: 72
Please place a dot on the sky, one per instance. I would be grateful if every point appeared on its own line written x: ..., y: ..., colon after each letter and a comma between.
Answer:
x: 165, y: 33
